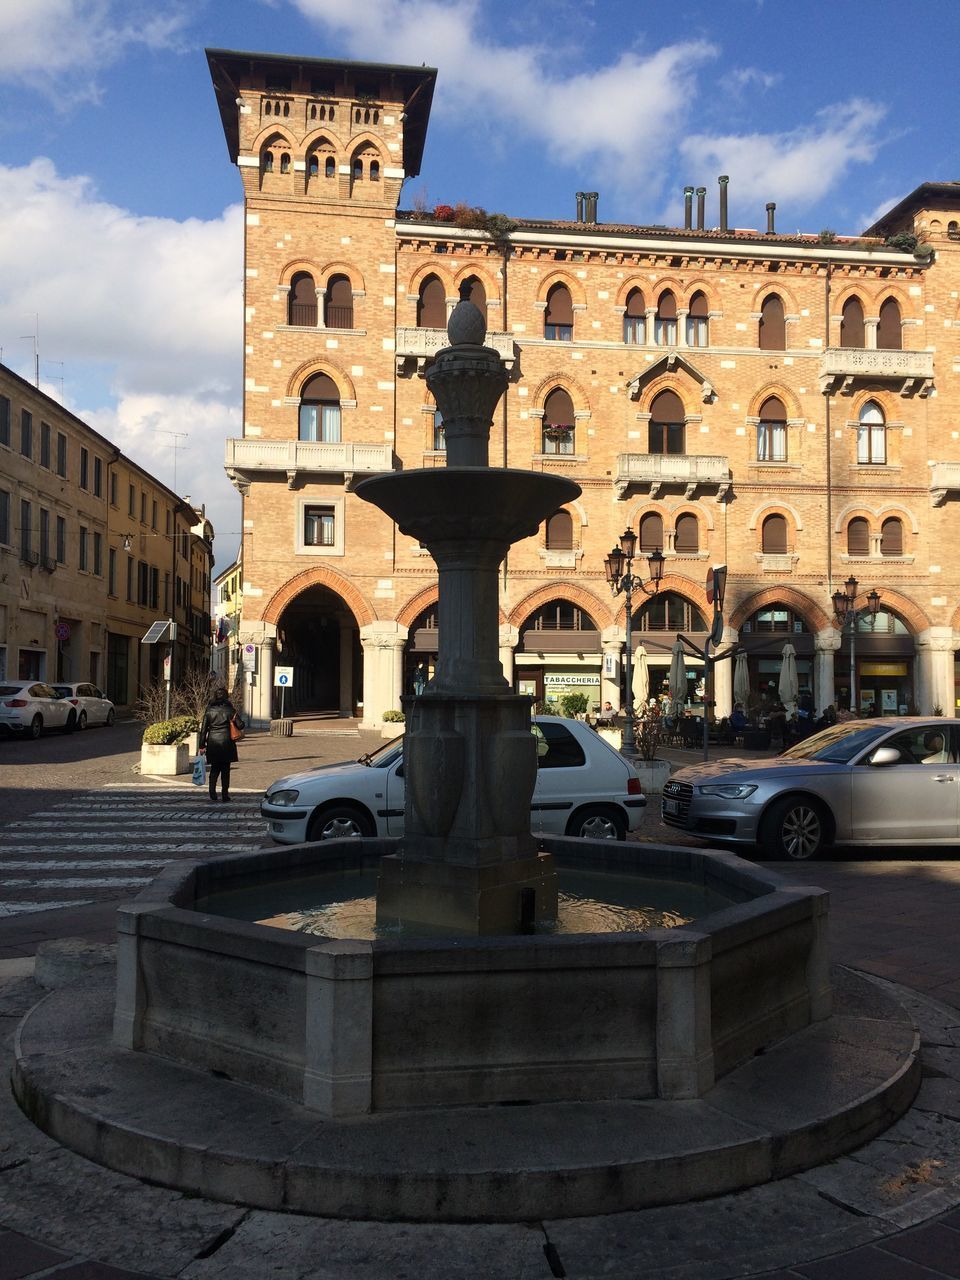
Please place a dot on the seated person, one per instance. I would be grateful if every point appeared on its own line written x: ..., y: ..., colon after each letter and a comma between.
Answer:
x: 606, y: 713
x: 738, y: 718
x: 935, y: 747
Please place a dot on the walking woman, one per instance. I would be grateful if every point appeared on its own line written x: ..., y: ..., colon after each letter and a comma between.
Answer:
x: 218, y: 742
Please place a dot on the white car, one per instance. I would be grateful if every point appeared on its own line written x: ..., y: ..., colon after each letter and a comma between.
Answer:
x: 584, y: 788
x: 93, y: 706
x: 30, y: 706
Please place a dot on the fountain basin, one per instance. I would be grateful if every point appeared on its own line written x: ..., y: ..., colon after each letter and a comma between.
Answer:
x: 349, y: 1027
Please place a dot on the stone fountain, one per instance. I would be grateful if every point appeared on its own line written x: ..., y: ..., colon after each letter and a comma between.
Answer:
x: 468, y: 861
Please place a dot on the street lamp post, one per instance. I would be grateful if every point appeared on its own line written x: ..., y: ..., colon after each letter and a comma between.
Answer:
x: 620, y: 575
x: 845, y: 607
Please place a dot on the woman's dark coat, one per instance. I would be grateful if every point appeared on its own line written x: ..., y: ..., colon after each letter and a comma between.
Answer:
x: 215, y: 733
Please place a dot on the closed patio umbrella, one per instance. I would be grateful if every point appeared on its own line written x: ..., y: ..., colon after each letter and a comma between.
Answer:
x: 641, y: 677
x: 741, y: 680
x: 678, y: 679
x: 789, y: 686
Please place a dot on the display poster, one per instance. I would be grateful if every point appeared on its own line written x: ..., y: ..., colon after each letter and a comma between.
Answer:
x: 888, y: 701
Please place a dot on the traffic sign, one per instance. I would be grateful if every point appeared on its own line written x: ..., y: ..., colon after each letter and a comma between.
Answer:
x: 249, y: 658
x: 283, y: 677
x: 710, y: 587
x: 716, y: 634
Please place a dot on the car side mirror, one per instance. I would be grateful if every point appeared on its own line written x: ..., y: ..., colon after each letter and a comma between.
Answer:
x: 884, y: 756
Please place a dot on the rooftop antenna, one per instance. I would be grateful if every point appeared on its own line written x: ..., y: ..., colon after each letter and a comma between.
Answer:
x: 59, y: 378
x: 177, y: 437
x: 35, y: 337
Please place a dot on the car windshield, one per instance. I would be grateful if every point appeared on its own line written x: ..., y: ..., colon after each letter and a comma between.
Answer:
x: 838, y: 744
x: 384, y: 756
x: 63, y: 691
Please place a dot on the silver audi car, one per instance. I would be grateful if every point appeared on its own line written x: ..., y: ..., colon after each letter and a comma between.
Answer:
x: 889, y: 781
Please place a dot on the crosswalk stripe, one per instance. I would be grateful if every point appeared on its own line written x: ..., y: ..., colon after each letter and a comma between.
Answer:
x: 185, y: 847
x: 117, y: 864
x: 79, y: 882
x: 23, y: 908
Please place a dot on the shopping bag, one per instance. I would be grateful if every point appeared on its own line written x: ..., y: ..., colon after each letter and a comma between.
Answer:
x: 199, y: 771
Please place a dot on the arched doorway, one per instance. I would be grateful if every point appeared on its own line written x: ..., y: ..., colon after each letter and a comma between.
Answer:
x: 763, y: 636
x: 559, y: 653
x: 883, y: 656
x: 656, y: 623
x: 317, y: 635
x: 420, y: 651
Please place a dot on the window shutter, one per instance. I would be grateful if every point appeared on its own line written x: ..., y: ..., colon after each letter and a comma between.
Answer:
x: 558, y: 408
x: 891, y: 538
x: 651, y: 533
x: 667, y: 306
x: 560, y: 531
x: 774, y: 536
x: 432, y: 311
x: 636, y: 308
x: 687, y: 537
x: 858, y: 537
x: 698, y: 307
x: 559, y: 306
x: 851, y: 324
x: 773, y: 327
x: 889, y: 330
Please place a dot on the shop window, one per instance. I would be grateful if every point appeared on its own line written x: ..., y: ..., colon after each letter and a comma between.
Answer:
x: 851, y: 324
x: 301, y: 306
x: 557, y: 431
x: 665, y: 432
x: 686, y: 541
x: 320, y: 410
x: 890, y: 328
x: 772, y: 431
x: 773, y: 325
x: 560, y: 531
x: 773, y: 536
x: 635, y: 318
x: 871, y: 436
x: 558, y: 319
x: 651, y: 533
x: 698, y: 321
x: 338, y: 303
x: 891, y: 537
x: 432, y: 305
x: 858, y: 537
x: 665, y: 323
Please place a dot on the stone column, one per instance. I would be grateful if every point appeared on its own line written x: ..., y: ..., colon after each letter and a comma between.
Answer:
x: 509, y: 639
x: 383, y: 644
x: 346, y: 669
x: 612, y: 642
x: 723, y: 677
x: 935, y: 681
x: 825, y: 645
x: 258, y: 690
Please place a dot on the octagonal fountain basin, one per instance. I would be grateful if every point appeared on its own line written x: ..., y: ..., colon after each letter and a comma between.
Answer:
x: 352, y: 1025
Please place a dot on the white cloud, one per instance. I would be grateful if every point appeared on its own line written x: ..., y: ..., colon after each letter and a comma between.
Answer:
x: 799, y: 165
x: 42, y: 40
x: 744, y: 78
x: 143, y: 313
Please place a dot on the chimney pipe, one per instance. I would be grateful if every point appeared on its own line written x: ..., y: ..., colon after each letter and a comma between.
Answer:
x: 724, y: 181
x: 687, y: 208
x: 701, y: 198
x: 590, y: 205
x: 771, y: 210
x: 579, y: 206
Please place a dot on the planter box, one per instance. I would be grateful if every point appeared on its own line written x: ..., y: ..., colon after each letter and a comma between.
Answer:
x: 653, y: 774
x: 167, y: 759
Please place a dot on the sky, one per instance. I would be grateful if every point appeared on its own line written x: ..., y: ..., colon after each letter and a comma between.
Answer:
x: 121, y: 228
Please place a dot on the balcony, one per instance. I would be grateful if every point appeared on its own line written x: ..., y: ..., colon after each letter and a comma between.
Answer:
x: 303, y: 461
x: 659, y: 470
x: 417, y: 347
x: 842, y: 367
x: 944, y: 482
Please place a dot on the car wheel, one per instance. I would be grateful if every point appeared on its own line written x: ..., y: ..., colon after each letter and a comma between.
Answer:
x: 71, y: 722
x: 597, y: 824
x: 82, y: 720
x: 110, y: 716
x: 36, y: 726
x: 338, y: 821
x: 795, y: 828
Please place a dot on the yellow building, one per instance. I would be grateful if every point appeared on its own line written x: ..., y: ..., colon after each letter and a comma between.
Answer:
x: 781, y: 404
x: 93, y: 550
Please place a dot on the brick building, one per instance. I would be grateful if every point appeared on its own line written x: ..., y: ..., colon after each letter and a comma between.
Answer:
x: 781, y: 404
x: 93, y: 549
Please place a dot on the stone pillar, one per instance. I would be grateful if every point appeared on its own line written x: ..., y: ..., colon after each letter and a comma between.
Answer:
x: 509, y: 639
x: 935, y: 681
x: 612, y: 642
x: 723, y: 677
x: 870, y: 326
x: 825, y: 645
x: 383, y: 644
x: 346, y: 669
x: 685, y: 1066
x: 338, y: 1054
x: 258, y: 685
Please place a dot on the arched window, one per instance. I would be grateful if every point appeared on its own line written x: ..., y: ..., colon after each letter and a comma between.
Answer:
x: 439, y: 436
x: 697, y: 321
x: 772, y: 431
x: 432, y: 304
x: 357, y: 169
x: 666, y: 427
x: 266, y: 160
x: 329, y: 167
x: 858, y: 537
x: 871, y: 435
x: 668, y: 611
x: 374, y: 170
x: 313, y: 165
x: 302, y: 306
x: 890, y: 329
x: 477, y: 294
x: 285, y: 163
x: 558, y: 615
x: 773, y: 326
x: 773, y: 536
x: 558, y: 433
x: 651, y: 533
x: 558, y: 319
x: 891, y: 537
x: 665, y: 324
x: 560, y: 531
x: 851, y: 324
x: 635, y: 318
x: 953, y: 230
x: 320, y: 410
x: 686, y: 539
x: 338, y: 303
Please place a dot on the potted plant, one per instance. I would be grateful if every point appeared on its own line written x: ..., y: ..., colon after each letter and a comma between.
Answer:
x: 648, y: 735
x: 393, y: 723
x: 165, y: 749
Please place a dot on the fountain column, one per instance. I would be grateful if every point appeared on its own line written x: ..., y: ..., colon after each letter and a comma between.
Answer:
x: 468, y: 862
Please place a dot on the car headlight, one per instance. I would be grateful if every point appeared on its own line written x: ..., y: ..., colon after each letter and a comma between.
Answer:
x: 283, y: 797
x: 729, y: 790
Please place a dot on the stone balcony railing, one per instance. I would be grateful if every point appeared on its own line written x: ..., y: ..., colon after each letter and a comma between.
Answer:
x: 657, y: 470
x: 944, y: 481
x: 417, y: 347
x: 842, y: 367
x: 301, y: 460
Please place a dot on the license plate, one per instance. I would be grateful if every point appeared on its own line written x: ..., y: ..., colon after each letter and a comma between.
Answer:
x: 671, y: 806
